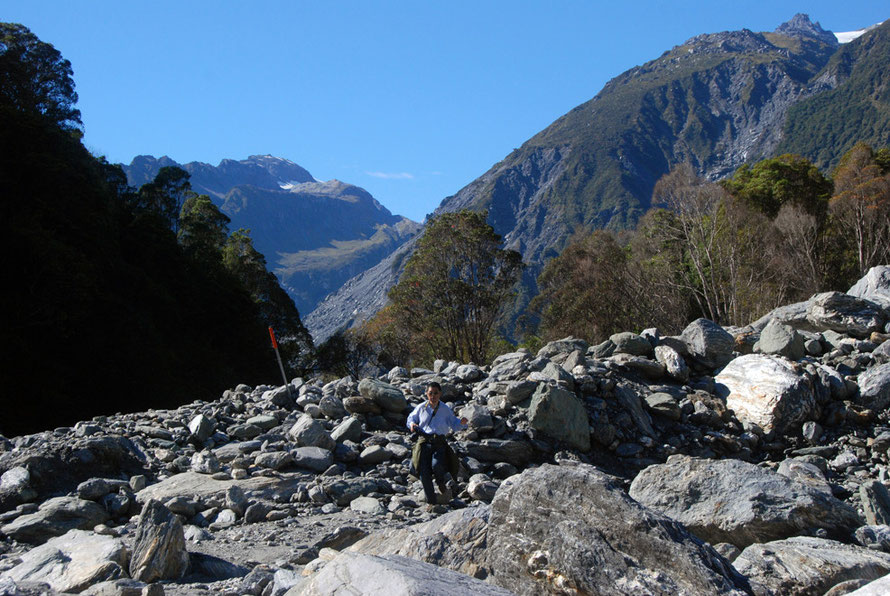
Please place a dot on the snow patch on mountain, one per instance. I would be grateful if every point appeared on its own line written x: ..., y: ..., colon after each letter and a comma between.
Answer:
x: 848, y: 36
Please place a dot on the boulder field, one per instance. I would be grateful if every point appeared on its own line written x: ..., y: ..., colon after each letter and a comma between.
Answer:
x: 749, y: 460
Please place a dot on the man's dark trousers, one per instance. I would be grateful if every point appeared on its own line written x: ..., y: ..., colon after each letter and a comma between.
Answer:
x: 433, y: 461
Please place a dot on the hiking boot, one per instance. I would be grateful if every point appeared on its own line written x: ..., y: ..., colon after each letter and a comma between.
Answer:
x: 445, y: 496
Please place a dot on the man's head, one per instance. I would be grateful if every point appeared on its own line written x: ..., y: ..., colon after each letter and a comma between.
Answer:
x: 433, y: 392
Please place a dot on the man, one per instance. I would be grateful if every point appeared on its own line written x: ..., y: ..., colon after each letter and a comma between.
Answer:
x: 432, y: 456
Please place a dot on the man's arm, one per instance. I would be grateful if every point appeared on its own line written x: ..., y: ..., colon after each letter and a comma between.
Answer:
x: 414, y: 418
x: 456, y: 423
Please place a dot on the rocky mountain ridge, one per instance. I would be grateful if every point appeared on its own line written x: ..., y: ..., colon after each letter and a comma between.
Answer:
x: 716, y: 101
x: 315, y: 235
x: 738, y: 461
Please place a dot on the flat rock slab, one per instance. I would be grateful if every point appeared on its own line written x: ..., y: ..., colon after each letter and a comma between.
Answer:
x: 72, y: 562
x: 805, y: 565
x: 190, y: 484
x: 56, y: 517
x: 391, y: 575
x: 572, y: 529
x: 737, y: 502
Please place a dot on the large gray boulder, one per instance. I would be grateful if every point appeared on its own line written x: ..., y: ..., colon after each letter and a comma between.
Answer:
x: 561, y: 415
x: 390, y: 575
x: 794, y: 315
x: 15, y: 488
x: 56, y: 517
x: 874, y: 387
x: 566, y: 345
x: 845, y: 314
x: 781, y: 340
x: 388, y: 397
x: 633, y: 405
x: 673, y: 362
x: 454, y: 541
x: 768, y: 391
x: 308, y: 432
x: 874, y: 286
x: 875, y: 502
x: 708, y: 343
x: 572, y: 529
x: 201, y: 427
x: 806, y: 565
x: 739, y: 503
x: 72, y: 562
x: 312, y: 458
x: 342, y: 492
x: 57, y: 467
x: 511, y: 451
x: 348, y: 430
x: 631, y: 343
x: 159, y: 547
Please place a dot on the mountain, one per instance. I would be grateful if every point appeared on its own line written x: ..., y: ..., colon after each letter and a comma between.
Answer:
x: 715, y: 101
x: 315, y: 235
x: 824, y: 127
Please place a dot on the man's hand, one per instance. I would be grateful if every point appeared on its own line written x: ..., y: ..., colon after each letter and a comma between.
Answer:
x: 464, y: 421
x: 413, y: 427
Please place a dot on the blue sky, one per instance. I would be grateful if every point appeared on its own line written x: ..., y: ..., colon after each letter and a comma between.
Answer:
x: 410, y: 100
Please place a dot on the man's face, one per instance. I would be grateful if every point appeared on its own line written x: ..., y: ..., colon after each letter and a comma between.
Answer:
x: 433, y: 395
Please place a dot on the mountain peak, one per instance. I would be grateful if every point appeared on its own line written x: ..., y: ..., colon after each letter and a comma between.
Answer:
x: 800, y: 25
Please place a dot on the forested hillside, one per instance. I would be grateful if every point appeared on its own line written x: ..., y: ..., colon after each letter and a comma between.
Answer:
x: 105, y: 309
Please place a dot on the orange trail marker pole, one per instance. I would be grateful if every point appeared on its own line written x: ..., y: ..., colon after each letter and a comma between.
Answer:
x: 278, y: 355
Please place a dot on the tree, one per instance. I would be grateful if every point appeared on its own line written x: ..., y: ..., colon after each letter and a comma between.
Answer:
x: 788, y: 179
x: 720, y: 247
x: 277, y: 309
x: 165, y: 195
x: 586, y: 291
x: 454, y: 286
x: 861, y: 206
x: 346, y: 353
x: 34, y: 78
x: 203, y: 229
x: 798, y: 245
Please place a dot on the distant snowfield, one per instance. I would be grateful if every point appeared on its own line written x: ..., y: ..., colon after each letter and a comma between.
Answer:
x: 848, y: 36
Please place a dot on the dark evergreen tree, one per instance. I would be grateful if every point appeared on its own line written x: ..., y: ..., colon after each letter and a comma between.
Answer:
x: 35, y: 79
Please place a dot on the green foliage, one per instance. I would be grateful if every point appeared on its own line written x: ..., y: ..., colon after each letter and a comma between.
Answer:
x: 165, y: 195
x: 104, y: 310
x: 861, y: 207
x: 453, y: 288
x: 771, y: 183
x: 825, y: 126
x: 729, y: 258
x: 203, y: 229
x: 586, y: 291
x: 35, y: 79
x: 346, y: 353
x: 276, y: 308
